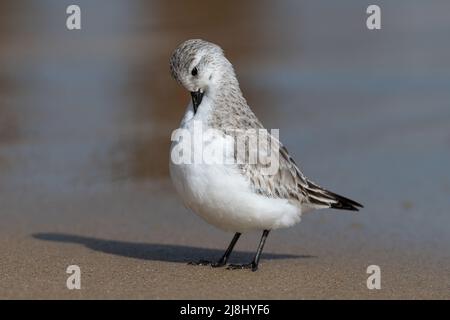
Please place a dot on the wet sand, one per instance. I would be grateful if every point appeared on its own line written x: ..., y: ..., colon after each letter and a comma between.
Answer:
x: 85, y: 124
x: 127, y: 250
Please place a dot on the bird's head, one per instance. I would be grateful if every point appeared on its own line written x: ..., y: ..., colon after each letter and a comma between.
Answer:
x: 200, y: 66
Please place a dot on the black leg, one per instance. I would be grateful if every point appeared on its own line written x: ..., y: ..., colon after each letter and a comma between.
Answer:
x: 260, y: 249
x: 254, y: 264
x: 226, y: 255
x: 224, y: 258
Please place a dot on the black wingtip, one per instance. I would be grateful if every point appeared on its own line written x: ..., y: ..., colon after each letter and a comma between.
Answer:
x: 342, y: 206
x: 345, y: 204
x: 322, y: 196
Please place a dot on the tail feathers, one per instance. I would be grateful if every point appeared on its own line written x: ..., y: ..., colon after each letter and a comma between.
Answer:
x: 323, y: 198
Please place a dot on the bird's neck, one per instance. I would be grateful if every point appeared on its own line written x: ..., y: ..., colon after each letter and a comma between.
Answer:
x: 226, y: 92
x: 227, y: 102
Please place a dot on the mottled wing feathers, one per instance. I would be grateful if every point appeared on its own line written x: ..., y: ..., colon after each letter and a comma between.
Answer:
x: 231, y: 115
x: 289, y: 183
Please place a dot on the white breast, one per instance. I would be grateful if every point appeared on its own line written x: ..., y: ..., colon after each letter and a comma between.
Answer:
x: 218, y: 193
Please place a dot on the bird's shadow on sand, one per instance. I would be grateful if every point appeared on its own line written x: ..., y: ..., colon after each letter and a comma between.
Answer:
x: 153, y: 251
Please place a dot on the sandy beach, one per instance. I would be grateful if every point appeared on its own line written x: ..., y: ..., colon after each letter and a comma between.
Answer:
x: 85, y: 124
x: 133, y: 252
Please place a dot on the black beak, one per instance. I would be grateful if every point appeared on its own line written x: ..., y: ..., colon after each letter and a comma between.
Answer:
x: 197, y: 97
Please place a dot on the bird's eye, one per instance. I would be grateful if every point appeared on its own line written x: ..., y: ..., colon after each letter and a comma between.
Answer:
x: 194, y: 71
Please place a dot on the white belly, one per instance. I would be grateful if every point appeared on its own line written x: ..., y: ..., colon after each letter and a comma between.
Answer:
x: 223, y: 197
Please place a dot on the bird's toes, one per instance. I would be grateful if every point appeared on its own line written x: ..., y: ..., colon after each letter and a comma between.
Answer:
x: 200, y: 263
x: 242, y: 266
x: 218, y: 264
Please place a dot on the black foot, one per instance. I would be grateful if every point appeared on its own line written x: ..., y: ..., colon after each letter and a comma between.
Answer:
x: 207, y: 263
x: 218, y: 264
x: 200, y: 263
x: 253, y: 266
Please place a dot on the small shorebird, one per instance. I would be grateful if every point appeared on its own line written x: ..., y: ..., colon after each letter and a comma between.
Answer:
x: 236, y: 196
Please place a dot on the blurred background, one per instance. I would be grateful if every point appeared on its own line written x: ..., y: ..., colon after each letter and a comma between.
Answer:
x: 86, y: 118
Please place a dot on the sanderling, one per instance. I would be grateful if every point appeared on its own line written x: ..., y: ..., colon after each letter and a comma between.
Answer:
x: 235, y: 196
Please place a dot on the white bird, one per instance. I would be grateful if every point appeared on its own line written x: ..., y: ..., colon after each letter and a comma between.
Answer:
x: 232, y: 194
